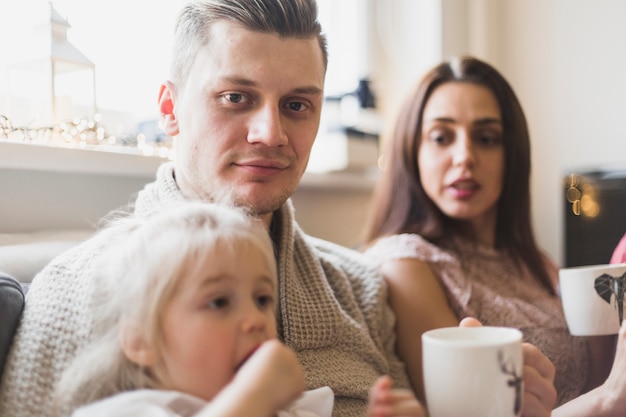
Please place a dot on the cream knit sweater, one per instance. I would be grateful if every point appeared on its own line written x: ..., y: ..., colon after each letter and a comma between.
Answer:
x: 333, y: 312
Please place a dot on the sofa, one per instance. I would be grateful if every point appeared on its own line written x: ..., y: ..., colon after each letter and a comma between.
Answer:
x: 11, y: 307
x: 22, y: 256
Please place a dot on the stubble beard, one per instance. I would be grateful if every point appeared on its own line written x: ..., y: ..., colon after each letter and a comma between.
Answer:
x: 254, y: 205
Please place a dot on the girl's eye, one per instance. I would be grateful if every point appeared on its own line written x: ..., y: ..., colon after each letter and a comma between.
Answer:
x: 218, y: 303
x: 265, y: 300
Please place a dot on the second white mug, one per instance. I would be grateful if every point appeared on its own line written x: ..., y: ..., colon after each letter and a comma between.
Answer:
x: 593, y: 298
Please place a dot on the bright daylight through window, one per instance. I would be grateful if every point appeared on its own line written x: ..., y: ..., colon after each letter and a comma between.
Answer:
x: 87, y: 73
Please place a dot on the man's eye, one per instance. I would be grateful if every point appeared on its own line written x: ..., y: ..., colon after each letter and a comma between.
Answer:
x: 297, y: 106
x: 234, y: 98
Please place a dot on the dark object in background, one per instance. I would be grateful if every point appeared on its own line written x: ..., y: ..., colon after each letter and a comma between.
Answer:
x: 364, y: 93
x: 11, y: 307
x: 595, y: 215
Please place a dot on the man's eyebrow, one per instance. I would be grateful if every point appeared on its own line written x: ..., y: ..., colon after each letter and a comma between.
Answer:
x: 240, y: 81
x: 308, y: 90
x: 249, y: 83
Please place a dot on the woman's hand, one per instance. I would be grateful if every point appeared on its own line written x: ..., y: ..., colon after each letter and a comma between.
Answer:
x: 613, y: 391
x: 609, y: 399
x: 539, y: 391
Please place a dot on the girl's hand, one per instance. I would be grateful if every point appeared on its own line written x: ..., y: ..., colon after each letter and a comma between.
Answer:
x: 273, y: 372
x: 387, y: 402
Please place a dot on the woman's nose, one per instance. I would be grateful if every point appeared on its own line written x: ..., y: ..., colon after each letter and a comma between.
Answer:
x: 266, y: 127
x: 463, y: 150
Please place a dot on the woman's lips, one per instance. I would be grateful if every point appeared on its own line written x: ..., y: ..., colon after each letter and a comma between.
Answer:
x: 464, y: 188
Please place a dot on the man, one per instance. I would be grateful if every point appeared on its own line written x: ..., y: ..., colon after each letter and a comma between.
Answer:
x: 243, y: 104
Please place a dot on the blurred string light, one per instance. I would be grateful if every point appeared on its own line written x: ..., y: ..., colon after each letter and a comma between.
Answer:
x: 582, y: 195
x: 83, y: 133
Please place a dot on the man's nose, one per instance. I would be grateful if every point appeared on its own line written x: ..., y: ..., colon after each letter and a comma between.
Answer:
x: 266, y: 127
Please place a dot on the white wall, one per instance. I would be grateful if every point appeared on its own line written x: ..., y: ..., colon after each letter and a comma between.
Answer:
x: 566, y: 61
x: 568, y: 69
x: 564, y: 58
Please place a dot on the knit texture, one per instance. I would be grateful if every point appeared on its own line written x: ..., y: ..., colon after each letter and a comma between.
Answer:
x: 333, y: 312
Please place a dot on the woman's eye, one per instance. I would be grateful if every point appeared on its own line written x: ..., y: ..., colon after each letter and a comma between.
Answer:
x: 438, y: 137
x: 489, y: 139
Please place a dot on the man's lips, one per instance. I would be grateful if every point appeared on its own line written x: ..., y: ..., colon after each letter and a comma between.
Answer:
x: 262, y: 167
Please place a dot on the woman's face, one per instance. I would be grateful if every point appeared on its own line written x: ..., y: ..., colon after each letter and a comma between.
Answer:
x: 461, y: 153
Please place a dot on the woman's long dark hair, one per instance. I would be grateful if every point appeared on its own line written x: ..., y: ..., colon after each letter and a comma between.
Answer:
x: 400, y: 204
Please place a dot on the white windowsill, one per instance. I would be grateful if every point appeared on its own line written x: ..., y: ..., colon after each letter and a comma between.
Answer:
x: 27, y: 156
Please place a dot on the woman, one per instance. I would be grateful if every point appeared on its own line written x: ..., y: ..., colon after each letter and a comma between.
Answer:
x: 451, y: 228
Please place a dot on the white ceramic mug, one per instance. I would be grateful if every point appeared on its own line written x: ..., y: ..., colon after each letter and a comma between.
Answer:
x: 473, y: 371
x: 593, y: 298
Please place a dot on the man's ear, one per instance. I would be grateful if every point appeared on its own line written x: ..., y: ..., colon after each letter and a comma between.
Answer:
x: 136, y: 347
x: 169, y: 121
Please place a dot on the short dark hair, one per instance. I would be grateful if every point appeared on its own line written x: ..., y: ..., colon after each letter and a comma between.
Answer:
x: 289, y: 18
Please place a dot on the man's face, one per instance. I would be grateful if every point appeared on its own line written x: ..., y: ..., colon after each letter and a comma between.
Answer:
x: 246, y: 118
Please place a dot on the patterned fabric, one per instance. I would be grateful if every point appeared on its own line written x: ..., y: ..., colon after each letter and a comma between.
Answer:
x: 155, y: 403
x: 333, y: 312
x: 486, y: 284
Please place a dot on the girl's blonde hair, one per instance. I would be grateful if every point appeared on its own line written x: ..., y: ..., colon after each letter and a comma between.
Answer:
x: 136, y: 278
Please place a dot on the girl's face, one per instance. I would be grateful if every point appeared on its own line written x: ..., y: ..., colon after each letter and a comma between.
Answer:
x: 461, y: 153
x: 217, y: 319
